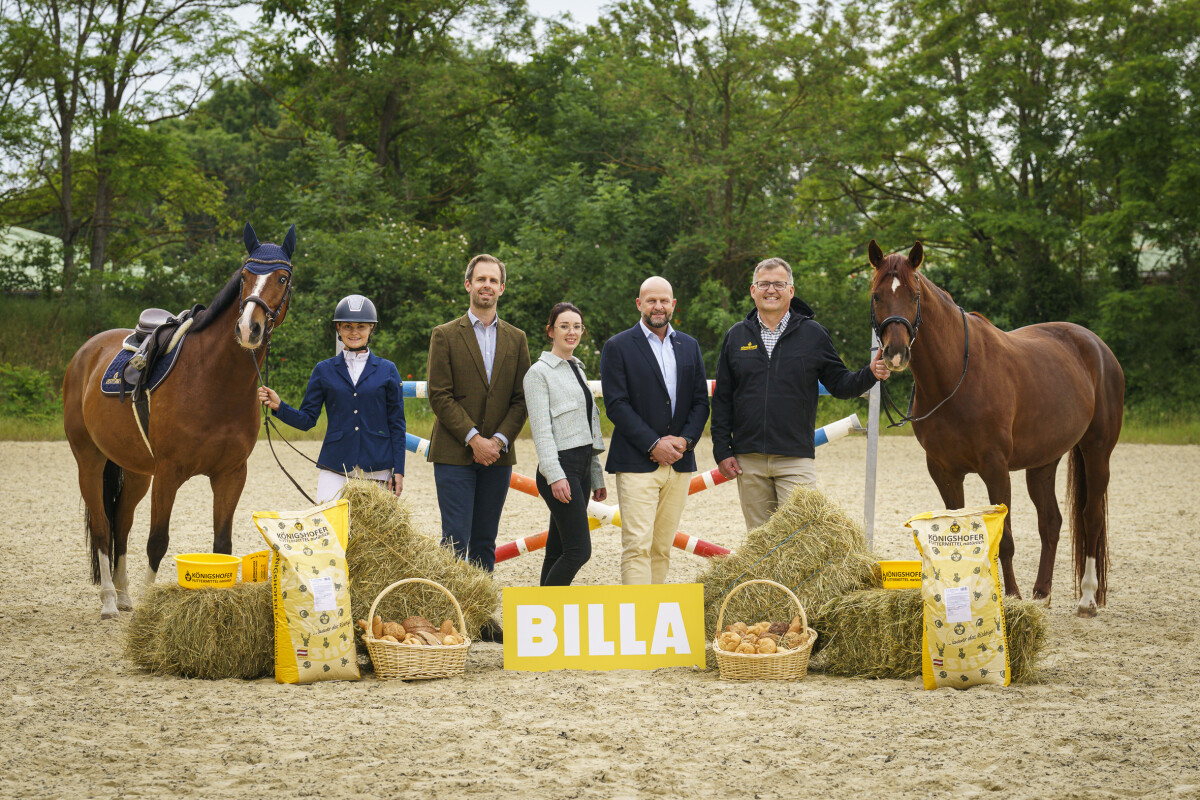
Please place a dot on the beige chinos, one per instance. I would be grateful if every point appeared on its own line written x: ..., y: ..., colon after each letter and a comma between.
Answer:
x: 651, y: 506
x: 767, y: 482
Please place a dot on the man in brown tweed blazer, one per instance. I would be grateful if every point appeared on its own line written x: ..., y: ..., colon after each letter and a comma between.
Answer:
x: 476, y: 370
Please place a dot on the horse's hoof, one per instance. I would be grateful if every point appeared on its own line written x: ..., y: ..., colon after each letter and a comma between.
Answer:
x: 1041, y: 599
x: 110, y: 615
x: 125, y: 606
x: 1087, y: 612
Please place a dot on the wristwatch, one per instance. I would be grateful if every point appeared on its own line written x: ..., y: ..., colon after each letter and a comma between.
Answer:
x: 691, y: 443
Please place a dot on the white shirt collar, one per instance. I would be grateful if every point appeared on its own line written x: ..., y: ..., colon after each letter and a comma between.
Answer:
x: 648, y: 331
x: 477, y: 321
x: 350, y: 355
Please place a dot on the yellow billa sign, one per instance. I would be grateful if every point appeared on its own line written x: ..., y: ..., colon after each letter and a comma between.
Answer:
x: 603, y: 627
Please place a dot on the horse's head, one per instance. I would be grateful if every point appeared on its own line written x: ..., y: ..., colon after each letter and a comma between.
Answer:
x: 896, y: 302
x: 266, y: 287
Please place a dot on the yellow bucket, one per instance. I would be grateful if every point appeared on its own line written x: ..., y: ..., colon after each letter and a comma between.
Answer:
x: 256, y: 566
x: 206, y: 570
x: 901, y: 574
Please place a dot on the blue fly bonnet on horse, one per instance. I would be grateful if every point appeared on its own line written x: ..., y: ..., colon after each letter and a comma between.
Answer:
x: 264, y: 257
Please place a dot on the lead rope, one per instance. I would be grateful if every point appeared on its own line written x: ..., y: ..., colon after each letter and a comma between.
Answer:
x: 268, y: 423
x: 889, y: 405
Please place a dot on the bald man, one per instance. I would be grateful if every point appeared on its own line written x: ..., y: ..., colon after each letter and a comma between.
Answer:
x: 656, y: 395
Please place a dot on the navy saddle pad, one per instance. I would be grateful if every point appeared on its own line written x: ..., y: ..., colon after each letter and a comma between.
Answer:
x: 114, y: 381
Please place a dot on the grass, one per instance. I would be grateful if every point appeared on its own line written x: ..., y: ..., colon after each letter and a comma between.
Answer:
x: 16, y: 429
x: 1151, y: 424
x: 1143, y: 425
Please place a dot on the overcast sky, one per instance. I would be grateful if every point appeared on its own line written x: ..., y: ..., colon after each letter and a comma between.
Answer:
x: 584, y: 12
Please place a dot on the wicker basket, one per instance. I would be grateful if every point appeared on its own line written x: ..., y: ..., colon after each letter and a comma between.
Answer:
x: 784, y: 665
x: 416, y: 661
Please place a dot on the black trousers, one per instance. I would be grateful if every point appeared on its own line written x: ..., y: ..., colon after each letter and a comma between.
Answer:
x: 569, y: 543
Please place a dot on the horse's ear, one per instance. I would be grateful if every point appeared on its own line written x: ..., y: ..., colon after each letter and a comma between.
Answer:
x: 250, y: 239
x: 289, y: 242
x: 916, y: 256
x: 874, y: 255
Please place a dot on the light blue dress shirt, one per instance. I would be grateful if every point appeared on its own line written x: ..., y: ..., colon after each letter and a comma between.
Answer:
x: 485, y: 335
x: 664, y: 352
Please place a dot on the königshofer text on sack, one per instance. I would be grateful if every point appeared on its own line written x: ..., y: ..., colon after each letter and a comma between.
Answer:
x: 603, y: 627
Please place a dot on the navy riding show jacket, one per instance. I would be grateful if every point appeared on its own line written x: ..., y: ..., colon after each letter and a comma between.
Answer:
x: 365, y: 420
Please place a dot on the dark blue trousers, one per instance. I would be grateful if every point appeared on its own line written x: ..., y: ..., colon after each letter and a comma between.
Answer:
x: 471, y: 499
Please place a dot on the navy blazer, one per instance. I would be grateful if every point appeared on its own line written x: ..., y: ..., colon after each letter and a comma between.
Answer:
x: 365, y: 421
x: 636, y: 399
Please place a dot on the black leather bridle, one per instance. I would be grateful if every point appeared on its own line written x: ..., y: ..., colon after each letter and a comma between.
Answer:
x: 271, y: 313
x: 913, y: 327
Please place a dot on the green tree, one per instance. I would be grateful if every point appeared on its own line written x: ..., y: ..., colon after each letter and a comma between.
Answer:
x: 397, y: 78
x: 736, y: 100
x: 100, y: 75
x: 968, y: 138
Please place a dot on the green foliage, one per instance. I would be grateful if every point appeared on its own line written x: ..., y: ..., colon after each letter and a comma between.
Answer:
x: 1152, y: 331
x: 413, y: 275
x: 31, y: 267
x: 27, y: 392
x: 1048, y: 156
x: 581, y: 240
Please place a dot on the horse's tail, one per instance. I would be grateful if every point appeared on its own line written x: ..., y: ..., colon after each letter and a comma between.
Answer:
x: 114, y: 482
x: 1077, y: 496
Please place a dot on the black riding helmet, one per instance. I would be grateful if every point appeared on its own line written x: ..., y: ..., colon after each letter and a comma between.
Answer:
x: 356, y: 308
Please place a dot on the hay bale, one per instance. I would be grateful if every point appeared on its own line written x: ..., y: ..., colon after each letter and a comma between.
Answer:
x: 809, y: 545
x: 385, y: 548
x: 204, y: 633
x: 230, y: 633
x: 877, y: 634
x: 1025, y: 624
x: 874, y: 633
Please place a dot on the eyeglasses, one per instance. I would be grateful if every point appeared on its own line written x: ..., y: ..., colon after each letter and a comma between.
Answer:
x: 778, y: 286
x: 567, y: 328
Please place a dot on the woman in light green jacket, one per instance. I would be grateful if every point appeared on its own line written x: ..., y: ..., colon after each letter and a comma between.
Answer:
x: 566, y: 432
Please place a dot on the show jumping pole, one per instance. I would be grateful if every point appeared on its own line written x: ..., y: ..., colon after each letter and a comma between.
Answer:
x: 601, y: 514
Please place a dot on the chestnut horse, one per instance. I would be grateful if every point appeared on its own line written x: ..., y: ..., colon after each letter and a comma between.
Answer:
x: 203, y: 420
x: 989, y: 401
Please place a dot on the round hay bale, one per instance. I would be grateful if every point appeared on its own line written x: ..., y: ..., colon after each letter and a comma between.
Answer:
x: 384, y: 548
x: 809, y: 545
x: 877, y: 634
x: 204, y: 633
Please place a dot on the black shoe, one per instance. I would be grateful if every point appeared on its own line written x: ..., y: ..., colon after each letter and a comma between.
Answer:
x: 491, y: 632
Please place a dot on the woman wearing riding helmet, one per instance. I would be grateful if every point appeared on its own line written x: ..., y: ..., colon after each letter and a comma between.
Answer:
x: 364, y: 405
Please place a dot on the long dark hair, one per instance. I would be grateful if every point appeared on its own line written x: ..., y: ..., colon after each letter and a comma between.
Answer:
x: 558, y: 309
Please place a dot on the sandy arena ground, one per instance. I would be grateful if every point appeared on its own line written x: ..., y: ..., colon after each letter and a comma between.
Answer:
x: 1116, y: 716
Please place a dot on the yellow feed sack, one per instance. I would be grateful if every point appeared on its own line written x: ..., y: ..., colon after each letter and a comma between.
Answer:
x: 310, y: 590
x: 964, y: 642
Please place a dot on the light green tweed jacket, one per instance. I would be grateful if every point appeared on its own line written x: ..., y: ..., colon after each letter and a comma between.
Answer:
x: 558, y: 416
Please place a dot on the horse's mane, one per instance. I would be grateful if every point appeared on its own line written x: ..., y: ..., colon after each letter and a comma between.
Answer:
x: 229, y: 294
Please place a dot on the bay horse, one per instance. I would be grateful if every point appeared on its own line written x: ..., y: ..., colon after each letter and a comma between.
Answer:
x: 204, y: 420
x: 988, y: 401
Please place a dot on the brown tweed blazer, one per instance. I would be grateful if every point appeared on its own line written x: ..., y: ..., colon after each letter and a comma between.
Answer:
x: 461, y: 397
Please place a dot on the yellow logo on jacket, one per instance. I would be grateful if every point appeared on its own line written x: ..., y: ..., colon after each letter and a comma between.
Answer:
x: 749, y: 346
